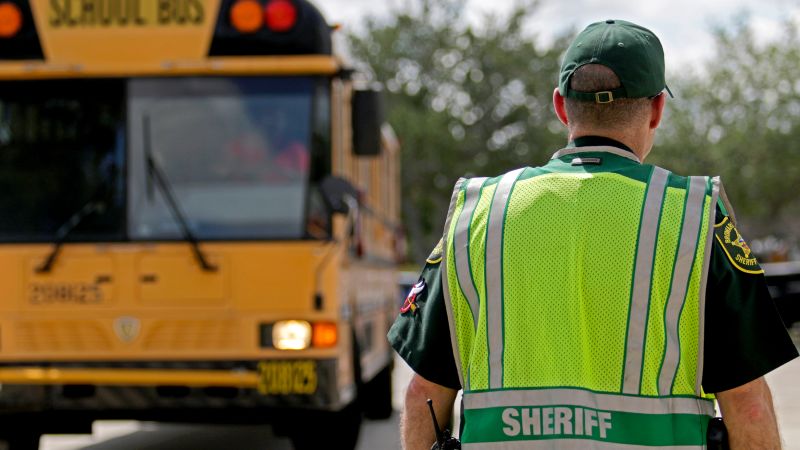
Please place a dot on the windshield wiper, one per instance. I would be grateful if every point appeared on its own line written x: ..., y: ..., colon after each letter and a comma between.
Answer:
x: 64, y: 231
x: 166, y: 189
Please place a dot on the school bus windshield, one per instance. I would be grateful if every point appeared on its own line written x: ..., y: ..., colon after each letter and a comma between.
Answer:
x: 61, y: 147
x: 236, y: 152
x: 240, y: 156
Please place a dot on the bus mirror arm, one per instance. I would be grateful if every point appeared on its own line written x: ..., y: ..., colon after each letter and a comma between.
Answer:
x: 352, y: 212
x: 351, y: 208
x: 354, y: 224
x: 318, y: 297
x: 335, y: 192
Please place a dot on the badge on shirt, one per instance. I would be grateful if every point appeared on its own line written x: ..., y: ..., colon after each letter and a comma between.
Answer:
x: 735, y: 247
x: 410, y: 304
x: 436, y: 254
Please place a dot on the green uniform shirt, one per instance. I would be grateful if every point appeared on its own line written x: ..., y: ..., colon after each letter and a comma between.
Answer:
x: 744, y: 335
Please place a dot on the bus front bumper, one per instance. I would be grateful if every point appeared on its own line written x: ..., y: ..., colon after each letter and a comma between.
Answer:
x: 173, y: 385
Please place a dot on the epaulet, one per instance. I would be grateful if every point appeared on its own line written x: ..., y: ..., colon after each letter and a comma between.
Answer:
x: 724, y: 204
x: 436, y: 254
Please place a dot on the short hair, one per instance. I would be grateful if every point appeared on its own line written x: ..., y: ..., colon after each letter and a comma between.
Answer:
x: 619, y: 114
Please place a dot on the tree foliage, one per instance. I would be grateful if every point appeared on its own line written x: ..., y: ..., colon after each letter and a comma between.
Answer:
x: 464, y: 101
x: 739, y: 117
x: 469, y: 100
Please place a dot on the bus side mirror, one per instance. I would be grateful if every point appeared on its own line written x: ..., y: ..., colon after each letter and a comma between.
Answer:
x: 367, y: 121
x: 338, y: 194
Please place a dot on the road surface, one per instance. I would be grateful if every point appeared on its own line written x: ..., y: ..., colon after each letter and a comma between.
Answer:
x: 375, y: 434
x: 131, y: 435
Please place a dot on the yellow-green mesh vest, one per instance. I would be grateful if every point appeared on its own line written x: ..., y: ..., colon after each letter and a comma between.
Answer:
x: 575, y: 300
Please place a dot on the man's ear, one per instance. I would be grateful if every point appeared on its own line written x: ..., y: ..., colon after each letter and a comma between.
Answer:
x: 657, y: 110
x: 558, y: 104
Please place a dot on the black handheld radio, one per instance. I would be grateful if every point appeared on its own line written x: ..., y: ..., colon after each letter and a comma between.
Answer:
x: 444, y: 439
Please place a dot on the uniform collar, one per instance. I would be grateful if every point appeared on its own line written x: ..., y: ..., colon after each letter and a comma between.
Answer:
x: 587, y: 144
x: 597, y: 141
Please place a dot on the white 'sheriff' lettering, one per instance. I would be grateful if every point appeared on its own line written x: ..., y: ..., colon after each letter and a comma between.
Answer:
x: 557, y: 420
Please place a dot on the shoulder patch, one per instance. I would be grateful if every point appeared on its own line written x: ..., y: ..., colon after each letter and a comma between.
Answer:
x: 410, y: 303
x: 735, y: 247
x: 436, y: 254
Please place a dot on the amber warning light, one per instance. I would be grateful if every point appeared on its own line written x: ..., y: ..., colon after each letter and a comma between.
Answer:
x: 248, y: 16
x: 10, y: 19
x: 324, y: 335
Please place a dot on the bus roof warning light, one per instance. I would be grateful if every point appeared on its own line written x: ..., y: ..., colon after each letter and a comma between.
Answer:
x: 246, y: 16
x: 281, y: 15
x: 10, y: 19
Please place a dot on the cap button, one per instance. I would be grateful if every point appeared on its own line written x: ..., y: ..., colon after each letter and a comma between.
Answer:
x: 609, y: 21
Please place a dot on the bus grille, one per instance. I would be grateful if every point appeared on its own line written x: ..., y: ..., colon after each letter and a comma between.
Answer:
x: 192, y: 335
x: 63, y: 336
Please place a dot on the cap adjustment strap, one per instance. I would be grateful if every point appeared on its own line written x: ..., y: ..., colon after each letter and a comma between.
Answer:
x: 601, y: 97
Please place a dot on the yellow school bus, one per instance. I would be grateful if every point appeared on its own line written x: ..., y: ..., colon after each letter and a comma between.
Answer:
x: 198, y: 220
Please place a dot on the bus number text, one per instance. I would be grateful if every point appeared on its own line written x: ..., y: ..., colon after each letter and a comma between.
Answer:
x: 64, y: 293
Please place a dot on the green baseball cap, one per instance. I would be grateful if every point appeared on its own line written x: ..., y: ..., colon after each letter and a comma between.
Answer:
x: 633, y: 52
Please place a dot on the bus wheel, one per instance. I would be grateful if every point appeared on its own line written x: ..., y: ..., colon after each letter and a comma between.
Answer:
x: 376, y: 395
x: 23, y: 440
x: 328, y: 429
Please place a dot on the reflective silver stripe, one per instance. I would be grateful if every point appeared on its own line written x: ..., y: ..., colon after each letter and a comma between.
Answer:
x: 461, y: 246
x: 642, y: 278
x: 494, y: 276
x: 606, y: 149
x: 445, y: 281
x: 587, y: 399
x: 692, y: 218
x: 569, y: 444
x: 712, y: 215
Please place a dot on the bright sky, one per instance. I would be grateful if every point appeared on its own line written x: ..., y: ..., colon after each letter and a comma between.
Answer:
x: 682, y: 25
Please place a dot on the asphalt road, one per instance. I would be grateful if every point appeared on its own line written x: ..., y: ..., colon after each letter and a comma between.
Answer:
x: 131, y: 435
x: 139, y: 436
x: 374, y: 435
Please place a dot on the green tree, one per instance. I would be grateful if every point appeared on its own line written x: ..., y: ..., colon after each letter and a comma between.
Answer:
x: 464, y: 100
x: 471, y: 100
x: 739, y: 117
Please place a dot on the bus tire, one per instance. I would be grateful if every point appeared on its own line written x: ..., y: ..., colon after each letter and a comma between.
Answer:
x: 376, y: 395
x: 23, y: 440
x: 322, y: 430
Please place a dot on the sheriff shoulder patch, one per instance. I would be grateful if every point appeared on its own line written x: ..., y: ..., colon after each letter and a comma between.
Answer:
x: 410, y: 304
x: 735, y: 247
x: 436, y: 255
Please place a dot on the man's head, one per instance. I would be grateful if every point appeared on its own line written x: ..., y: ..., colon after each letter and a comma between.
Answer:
x: 611, y: 82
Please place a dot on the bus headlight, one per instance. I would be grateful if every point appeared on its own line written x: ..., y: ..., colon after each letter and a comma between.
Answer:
x: 291, y: 335
x: 298, y: 335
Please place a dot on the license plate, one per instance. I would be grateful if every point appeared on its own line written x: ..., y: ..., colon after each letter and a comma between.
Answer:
x: 287, y: 377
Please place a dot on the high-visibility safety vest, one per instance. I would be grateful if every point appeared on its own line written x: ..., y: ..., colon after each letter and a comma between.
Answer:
x: 575, y: 297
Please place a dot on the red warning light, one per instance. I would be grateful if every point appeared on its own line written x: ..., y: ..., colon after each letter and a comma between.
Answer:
x: 280, y: 15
